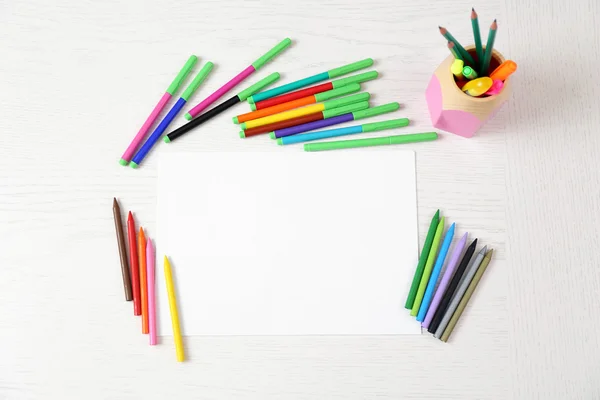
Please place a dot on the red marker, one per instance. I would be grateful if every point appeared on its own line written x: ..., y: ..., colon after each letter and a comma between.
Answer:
x: 133, y: 264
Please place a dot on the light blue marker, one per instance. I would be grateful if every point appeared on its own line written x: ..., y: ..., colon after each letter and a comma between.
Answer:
x: 334, y: 73
x: 351, y: 130
x: 439, y: 263
x: 164, y: 124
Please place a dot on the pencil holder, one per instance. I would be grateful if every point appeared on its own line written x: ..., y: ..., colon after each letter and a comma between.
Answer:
x: 456, y: 112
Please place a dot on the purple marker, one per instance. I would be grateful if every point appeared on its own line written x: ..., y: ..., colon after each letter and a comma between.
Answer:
x: 445, y: 280
x: 336, y: 118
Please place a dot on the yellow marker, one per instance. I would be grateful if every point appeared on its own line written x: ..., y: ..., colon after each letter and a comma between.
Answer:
x: 457, y: 68
x: 174, y: 314
x: 299, y: 112
x: 478, y: 86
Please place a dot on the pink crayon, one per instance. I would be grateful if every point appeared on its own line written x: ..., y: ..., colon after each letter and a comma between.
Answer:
x: 150, y: 261
x: 445, y: 281
x: 255, y: 66
x: 496, y: 88
x: 171, y: 90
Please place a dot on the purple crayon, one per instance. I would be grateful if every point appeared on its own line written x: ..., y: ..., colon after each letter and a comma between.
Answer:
x: 353, y: 116
x: 446, y: 278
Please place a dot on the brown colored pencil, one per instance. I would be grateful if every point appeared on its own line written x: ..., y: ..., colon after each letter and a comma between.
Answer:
x: 122, y: 250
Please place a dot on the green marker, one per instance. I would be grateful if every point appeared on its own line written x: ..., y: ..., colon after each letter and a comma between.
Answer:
x: 333, y: 73
x: 428, y: 267
x: 381, y: 141
x: 469, y: 73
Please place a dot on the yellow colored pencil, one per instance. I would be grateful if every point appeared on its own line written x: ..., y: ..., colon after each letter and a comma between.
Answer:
x: 299, y: 112
x: 174, y: 314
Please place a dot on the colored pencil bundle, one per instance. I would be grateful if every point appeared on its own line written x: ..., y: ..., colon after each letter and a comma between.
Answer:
x: 437, y: 300
x: 138, y: 272
x: 476, y: 78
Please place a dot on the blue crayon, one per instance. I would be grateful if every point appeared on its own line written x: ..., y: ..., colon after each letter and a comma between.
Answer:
x: 164, y: 124
x: 350, y: 130
x: 439, y: 263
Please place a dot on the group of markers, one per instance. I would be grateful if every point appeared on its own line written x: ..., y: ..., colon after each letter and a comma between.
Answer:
x: 472, y: 74
x: 439, y: 309
x: 138, y: 271
x: 284, y: 112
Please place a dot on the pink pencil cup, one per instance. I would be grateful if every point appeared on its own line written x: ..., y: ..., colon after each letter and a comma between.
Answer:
x: 456, y: 112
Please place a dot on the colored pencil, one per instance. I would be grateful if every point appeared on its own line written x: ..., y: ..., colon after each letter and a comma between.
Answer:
x: 455, y: 53
x: 134, y: 266
x: 428, y: 266
x: 164, y: 124
x: 460, y: 291
x: 489, y: 47
x: 350, y: 130
x: 380, y: 141
x: 447, y: 296
x: 504, y: 70
x: 463, y: 302
x: 243, y: 95
x: 171, y: 90
x: 333, y: 73
x: 461, y: 50
x: 151, y: 273
x: 122, y: 250
x: 284, y: 98
x: 305, y: 119
x: 437, y: 269
x: 446, y: 279
x: 255, y: 66
x: 328, y: 105
x: 412, y: 293
x: 340, y: 119
x: 143, y: 279
x: 173, y: 308
x: 304, y: 101
x: 477, y: 38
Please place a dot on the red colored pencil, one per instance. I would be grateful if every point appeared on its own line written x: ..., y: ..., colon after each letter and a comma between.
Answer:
x: 133, y: 264
x: 298, y: 94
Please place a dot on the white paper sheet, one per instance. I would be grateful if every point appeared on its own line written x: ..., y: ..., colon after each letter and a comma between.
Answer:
x: 288, y: 243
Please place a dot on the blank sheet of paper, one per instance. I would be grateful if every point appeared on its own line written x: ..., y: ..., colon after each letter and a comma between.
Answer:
x: 288, y: 243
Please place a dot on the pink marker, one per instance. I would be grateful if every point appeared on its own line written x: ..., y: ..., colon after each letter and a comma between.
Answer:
x: 496, y: 88
x: 255, y: 66
x: 150, y: 261
x: 171, y: 90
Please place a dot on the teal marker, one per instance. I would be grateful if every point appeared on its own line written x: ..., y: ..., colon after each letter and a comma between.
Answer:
x: 381, y: 141
x: 351, y: 130
x: 334, y: 73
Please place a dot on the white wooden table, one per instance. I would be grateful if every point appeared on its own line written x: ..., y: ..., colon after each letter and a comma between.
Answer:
x: 78, y: 78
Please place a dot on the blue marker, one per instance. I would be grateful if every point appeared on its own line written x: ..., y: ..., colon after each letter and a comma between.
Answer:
x: 351, y: 130
x: 164, y: 124
x: 439, y: 263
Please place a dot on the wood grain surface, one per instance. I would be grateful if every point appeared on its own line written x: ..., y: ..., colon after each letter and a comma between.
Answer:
x: 77, y: 79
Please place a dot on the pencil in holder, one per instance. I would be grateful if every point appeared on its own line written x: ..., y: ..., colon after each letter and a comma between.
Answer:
x: 456, y: 112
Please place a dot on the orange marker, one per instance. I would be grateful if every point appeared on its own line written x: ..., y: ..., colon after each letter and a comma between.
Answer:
x: 143, y: 279
x: 504, y: 70
x: 304, y: 101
